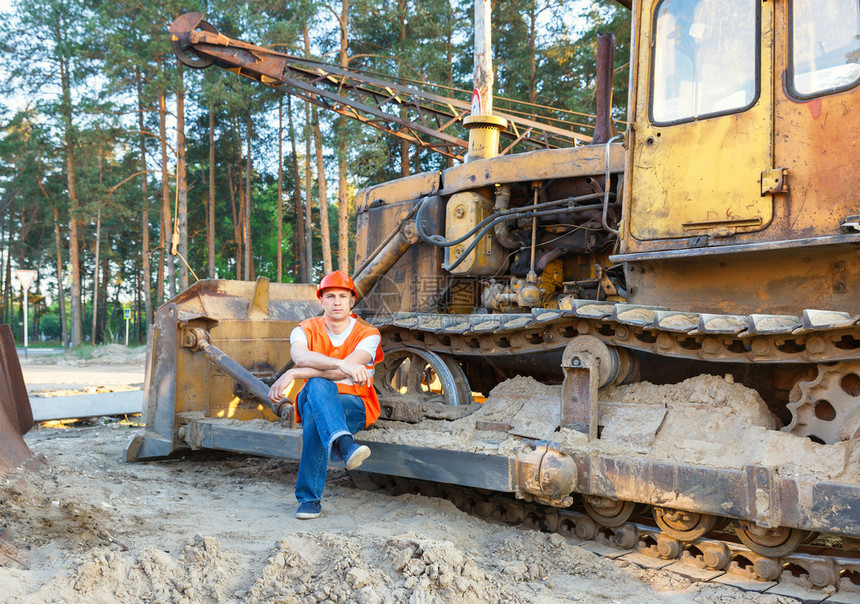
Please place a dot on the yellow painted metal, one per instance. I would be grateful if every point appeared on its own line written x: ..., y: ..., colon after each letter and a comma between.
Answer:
x: 250, y: 322
x: 544, y: 165
x: 464, y: 212
x: 702, y: 177
x: 483, y: 135
x: 397, y: 191
x: 551, y: 280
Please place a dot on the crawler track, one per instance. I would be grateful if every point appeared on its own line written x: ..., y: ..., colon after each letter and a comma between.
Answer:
x: 815, y: 337
x: 813, y: 573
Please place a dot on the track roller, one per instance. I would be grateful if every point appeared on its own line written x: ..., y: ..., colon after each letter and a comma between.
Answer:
x: 715, y: 555
x: 668, y: 547
x: 608, y: 512
x: 770, y: 542
x: 682, y: 525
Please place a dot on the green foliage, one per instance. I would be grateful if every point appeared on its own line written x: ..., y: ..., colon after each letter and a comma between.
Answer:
x: 83, y: 79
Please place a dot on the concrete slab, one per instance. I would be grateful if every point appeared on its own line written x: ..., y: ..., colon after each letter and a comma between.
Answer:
x: 86, y: 405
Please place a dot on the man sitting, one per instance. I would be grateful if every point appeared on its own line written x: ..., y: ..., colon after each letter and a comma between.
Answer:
x: 335, y: 354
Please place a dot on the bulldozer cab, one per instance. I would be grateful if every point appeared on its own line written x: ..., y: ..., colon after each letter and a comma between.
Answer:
x: 740, y: 185
x: 736, y: 109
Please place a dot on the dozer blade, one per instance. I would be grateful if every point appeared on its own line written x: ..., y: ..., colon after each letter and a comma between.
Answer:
x: 210, y: 350
x: 16, y: 417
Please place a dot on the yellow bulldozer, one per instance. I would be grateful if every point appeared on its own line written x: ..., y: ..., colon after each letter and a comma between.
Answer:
x: 717, y: 236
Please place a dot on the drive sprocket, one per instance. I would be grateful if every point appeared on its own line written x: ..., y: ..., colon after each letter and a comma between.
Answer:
x: 826, y: 409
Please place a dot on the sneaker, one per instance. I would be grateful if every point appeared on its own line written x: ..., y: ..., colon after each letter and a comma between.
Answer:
x: 308, y: 510
x: 356, y: 455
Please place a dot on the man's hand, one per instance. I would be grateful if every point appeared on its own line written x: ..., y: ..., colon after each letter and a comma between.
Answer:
x: 356, y: 371
x: 276, y: 392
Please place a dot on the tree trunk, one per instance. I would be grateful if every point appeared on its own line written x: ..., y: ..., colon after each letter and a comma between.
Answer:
x: 342, y: 160
x: 4, y: 245
x: 237, y: 229
x: 242, y: 232
x: 249, y: 248
x: 210, y: 216
x: 71, y: 182
x: 101, y: 316
x: 181, y: 179
x: 136, y: 314
x: 7, y: 276
x: 96, y: 275
x: 308, y: 128
x: 280, y: 248
x: 144, y: 214
x: 404, y: 146
x: 164, y: 238
x: 97, y: 255
x: 532, y: 51
x: 297, y: 201
x: 61, y: 290
x: 323, y: 195
x: 309, y: 223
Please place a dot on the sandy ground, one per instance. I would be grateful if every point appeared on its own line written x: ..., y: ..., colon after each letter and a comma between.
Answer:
x: 216, y: 527
x: 221, y: 528
x: 111, y: 369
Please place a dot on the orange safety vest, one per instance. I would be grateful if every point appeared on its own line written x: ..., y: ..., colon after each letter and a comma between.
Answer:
x: 319, y: 341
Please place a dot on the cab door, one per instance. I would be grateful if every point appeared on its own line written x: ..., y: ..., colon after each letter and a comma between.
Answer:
x: 703, y: 119
x: 817, y: 105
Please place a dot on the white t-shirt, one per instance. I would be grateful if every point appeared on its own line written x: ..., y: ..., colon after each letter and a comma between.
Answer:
x: 368, y: 344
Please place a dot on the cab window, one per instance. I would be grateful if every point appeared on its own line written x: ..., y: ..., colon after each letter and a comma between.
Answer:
x: 825, y: 46
x: 705, y: 58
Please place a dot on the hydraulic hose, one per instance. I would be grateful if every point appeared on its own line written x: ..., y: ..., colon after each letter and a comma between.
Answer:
x: 528, y: 214
x: 494, y: 218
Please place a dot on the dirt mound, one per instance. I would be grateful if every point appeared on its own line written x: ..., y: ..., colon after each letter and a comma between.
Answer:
x: 38, y: 515
x: 201, y: 572
x: 411, y: 567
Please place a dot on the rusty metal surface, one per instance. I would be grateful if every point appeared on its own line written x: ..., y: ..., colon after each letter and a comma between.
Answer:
x: 814, y: 139
x: 538, y: 165
x: 381, y: 260
x: 544, y: 473
x: 579, y: 392
x: 700, y: 177
x: 767, y: 282
x: 604, y: 129
x: 393, y: 291
x: 16, y: 417
x: 754, y: 493
x: 396, y: 191
x: 463, y: 213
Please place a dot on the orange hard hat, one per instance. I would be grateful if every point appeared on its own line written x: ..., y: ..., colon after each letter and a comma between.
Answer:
x: 336, y: 279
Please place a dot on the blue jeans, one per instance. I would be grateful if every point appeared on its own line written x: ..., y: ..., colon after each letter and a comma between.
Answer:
x: 326, y: 416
